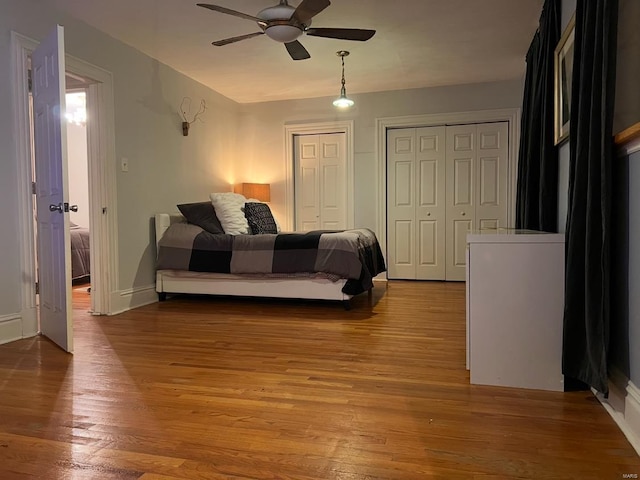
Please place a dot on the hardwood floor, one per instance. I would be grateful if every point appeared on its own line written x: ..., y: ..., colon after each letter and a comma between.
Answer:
x: 216, y: 388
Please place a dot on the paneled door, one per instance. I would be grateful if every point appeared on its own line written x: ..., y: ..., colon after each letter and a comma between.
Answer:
x: 476, y: 184
x: 54, y: 242
x: 416, y: 203
x: 320, y: 182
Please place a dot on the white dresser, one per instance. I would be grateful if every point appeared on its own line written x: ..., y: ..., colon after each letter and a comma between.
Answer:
x: 515, y: 303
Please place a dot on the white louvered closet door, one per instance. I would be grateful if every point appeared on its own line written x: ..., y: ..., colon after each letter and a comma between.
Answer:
x: 320, y: 182
x: 416, y: 203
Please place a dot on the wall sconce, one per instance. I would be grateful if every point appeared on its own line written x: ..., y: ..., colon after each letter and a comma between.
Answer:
x: 185, y: 106
x: 259, y: 191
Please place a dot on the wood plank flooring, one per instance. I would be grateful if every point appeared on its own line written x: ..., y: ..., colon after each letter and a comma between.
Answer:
x: 219, y: 388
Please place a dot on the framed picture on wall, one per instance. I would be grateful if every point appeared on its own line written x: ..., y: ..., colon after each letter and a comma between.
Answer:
x: 563, y: 76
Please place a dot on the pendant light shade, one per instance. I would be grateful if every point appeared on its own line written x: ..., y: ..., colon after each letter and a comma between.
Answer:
x: 343, y: 101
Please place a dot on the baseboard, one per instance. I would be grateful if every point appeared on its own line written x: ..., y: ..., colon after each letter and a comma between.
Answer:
x: 10, y: 328
x: 30, y: 327
x: 125, y: 300
x: 623, y: 405
x: 632, y: 415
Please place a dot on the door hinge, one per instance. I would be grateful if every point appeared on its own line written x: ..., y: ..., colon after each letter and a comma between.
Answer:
x: 33, y: 188
x: 37, y: 288
x: 29, y: 81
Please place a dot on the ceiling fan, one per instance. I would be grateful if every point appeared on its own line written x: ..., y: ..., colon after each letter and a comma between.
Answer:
x: 284, y: 23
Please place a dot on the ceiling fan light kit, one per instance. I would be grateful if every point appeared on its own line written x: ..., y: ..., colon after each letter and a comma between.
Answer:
x: 285, y: 24
x: 275, y: 27
x: 283, y: 33
x: 343, y: 101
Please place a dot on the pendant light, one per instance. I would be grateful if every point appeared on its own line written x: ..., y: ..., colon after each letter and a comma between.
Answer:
x: 343, y: 101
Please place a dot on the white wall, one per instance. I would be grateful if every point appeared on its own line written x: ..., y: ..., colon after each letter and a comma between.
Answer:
x: 78, y: 173
x: 165, y: 168
x: 261, y: 152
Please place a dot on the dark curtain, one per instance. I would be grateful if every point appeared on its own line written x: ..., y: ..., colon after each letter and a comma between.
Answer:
x: 588, y: 263
x: 537, y: 196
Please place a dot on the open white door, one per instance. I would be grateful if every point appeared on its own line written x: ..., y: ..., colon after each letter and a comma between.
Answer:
x: 52, y: 202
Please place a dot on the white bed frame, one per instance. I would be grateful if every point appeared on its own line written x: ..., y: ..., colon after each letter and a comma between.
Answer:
x: 178, y: 281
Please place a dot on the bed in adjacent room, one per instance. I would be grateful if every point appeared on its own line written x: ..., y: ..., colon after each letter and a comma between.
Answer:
x: 80, y: 262
x: 196, y: 254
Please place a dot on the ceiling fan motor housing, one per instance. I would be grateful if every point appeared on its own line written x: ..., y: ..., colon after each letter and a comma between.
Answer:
x: 278, y: 20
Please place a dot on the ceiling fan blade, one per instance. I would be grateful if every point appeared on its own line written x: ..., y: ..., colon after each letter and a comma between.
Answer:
x: 228, y: 11
x: 308, y: 9
x: 341, y: 33
x: 297, y: 51
x: 227, y: 41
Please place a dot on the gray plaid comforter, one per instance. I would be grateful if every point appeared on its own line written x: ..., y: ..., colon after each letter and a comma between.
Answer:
x: 351, y: 254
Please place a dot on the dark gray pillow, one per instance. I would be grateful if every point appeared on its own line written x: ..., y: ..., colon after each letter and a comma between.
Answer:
x: 201, y: 214
x: 259, y: 218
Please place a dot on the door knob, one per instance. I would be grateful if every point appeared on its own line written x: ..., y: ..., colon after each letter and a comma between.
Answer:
x: 463, y: 214
x: 63, y: 207
x: 428, y: 214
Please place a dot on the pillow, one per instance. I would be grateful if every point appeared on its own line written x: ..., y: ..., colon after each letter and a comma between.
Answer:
x: 260, y: 218
x: 255, y: 200
x: 201, y: 214
x: 228, y: 207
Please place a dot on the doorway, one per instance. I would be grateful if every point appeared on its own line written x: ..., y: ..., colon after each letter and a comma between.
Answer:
x: 78, y: 175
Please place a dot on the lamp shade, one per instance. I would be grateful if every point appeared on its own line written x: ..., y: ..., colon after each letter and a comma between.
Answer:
x: 259, y: 191
x: 283, y: 33
x: 343, y: 102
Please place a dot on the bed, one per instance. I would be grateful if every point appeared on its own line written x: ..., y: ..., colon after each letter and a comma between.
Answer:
x: 323, y: 265
x: 80, y: 263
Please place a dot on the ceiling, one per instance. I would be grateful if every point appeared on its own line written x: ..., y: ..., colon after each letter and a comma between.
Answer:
x: 419, y: 43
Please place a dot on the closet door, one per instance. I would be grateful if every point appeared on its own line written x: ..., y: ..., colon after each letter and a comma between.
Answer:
x: 460, y: 185
x: 320, y: 182
x: 491, y: 178
x: 477, y: 159
x: 430, y: 203
x: 416, y: 203
x: 401, y: 209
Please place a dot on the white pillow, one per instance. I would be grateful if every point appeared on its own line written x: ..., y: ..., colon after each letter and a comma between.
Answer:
x: 229, y: 208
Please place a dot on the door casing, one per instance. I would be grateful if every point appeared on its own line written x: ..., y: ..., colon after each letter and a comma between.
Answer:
x: 102, y: 175
x: 510, y: 115
x: 290, y: 132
